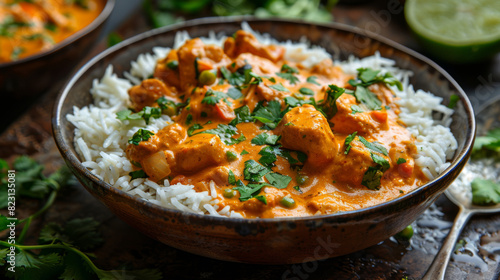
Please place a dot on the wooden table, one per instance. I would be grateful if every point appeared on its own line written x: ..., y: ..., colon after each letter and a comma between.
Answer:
x: 31, y: 134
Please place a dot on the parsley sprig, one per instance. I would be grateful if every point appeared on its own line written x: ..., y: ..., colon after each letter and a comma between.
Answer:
x: 146, y: 113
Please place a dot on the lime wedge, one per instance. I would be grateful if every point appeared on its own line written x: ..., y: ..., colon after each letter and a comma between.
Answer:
x: 458, y: 31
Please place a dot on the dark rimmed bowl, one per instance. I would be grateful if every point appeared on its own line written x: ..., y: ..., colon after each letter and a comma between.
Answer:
x: 268, y: 241
x: 32, y: 75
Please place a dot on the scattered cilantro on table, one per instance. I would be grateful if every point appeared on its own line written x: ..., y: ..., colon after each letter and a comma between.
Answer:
x: 59, y: 253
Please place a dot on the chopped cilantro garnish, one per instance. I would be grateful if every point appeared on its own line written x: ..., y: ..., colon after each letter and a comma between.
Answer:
x: 487, y: 144
x: 279, y: 87
x: 244, y: 152
x: 329, y: 106
x: 376, y: 147
x: 253, y: 171
x: 371, y: 178
x: 189, y: 119
x: 380, y: 161
x: 356, y: 109
x: 137, y: 174
x: 234, y: 93
x: 297, y: 188
x: 348, y: 140
x: 485, y: 192
x: 262, y: 198
x: 248, y: 191
x: 269, y: 154
x: 231, y: 178
x: 146, y: 113
x: 312, y: 80
x: 453, y: 101
x: 213, y: 97
x: 265, y: 139
x: 226, y: 133
x: 242, y: 115
x: 294, y: 102
x: 278, y: 181
x: 401, y: 161
x: 270, y: 114
x: 140, y: 135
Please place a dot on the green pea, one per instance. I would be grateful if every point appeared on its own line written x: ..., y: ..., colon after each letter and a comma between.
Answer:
x: 406, y: 233
x: 228, y: 193
x: 288, y: 202
x: 302, y: 179
x: 206, y: 77
x: 231, y: 156
x: 173, y: 64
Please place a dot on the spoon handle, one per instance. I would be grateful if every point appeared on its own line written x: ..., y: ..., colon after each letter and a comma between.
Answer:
x: 438, y: 267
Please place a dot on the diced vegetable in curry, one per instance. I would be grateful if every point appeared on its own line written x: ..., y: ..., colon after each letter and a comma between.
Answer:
x: 276, y: 138
x: 30, y: 27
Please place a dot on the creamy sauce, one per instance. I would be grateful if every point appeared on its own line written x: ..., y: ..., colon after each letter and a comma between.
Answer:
x: 328, y: 181
x: 30, y: 27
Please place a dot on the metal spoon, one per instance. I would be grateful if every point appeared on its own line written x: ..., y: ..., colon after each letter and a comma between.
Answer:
x: 487, y: 118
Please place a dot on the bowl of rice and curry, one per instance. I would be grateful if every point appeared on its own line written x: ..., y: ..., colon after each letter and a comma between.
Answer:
x: 260, y: 141
x: 42, y: 40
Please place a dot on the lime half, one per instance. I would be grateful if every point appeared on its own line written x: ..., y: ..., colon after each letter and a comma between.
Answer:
x: 458, y: 31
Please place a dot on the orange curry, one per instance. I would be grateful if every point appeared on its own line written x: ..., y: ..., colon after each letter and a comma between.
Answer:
x: 30, y: 27
x: 277, y: 138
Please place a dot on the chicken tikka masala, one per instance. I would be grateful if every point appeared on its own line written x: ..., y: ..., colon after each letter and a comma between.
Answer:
x: 275, y: 137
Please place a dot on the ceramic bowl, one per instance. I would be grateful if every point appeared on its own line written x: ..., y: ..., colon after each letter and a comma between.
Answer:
x: 268, y: 241
x: 32, y: 75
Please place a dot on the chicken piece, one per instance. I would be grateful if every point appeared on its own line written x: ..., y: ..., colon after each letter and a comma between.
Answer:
x: 207, y: 57
x: 334, y: 74
x: 166, y: 139
x: 345, y: 122
x: 306, y: 130
x: 356, y: 162
x: 147, y: 93
x: 328, y: 204
x: 199, y: 152
x: 168, y: 75
x: 245, y: 42
x: 260, y: 66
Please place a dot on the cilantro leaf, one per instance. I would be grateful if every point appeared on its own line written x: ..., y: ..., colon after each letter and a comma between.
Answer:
x: 279, y: 87
x: 376, y: 147
x: 329, y: 106
x: 253, y: 171
x: 270, y: 114
x: 146, y: 113
x: 81, y: 233
x: 368, y: 76
x: 485, y: 192
x: 226, y: 133
x: 381, y: 161
x: 242, y: 115
x: 371, y: 178
x: 294, y: 102
x: 262, y: 198
x: 312, y: 80
x: 278, y: 181
x: 137, y: 174
x: 356, y: 109
x: 213, y: 97
x: 140, y: 135
x: 248, y: 191
x: 401, y: 161
x: 487, y: 144
x: 244, y: 152
x: 192, y: 128
x: 368, y: 98
x: 453, y: 101
x: 265, y: 139
x: 348, y: 140
x: 288, y: 76
x: 231, y: 178
x: 306, y: 91
x: 234, y: 93
x: 269, y: 154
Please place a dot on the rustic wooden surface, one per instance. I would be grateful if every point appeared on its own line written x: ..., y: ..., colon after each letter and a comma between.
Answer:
x: 31, y: 135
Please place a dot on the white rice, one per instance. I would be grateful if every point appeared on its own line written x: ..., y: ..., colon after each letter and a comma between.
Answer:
x: 101, y: 139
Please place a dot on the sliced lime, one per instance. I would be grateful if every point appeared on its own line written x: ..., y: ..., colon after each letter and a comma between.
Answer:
x: 458, y: 31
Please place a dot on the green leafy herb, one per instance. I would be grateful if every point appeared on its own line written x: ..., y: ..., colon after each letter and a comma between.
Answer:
x: 253, y: 171
x: 368, y: 98
x: 329, y: 106
x: 234, y: 93
x: 140, y: 135
x: 265, y: 139
x: 368, y: 76
x: 270, y: 115
x: 306, y: 91
x: 226, y: 133
x: 269, y: 155
x: 288, y: 202
x: 376, y: 147
x: 146, y: 113
x: 348, y: 140
x: 231, y: 156
x: 312, y: 80
x: 371, y: 178
x: 297, y: 188
x: 278, y: 181
x: 485, y: 192
x: 16, y: 52
x: 294, y: 102
x: 231, y: 179
x: 137, y: 174
x: 287, y: 73
x: 213, y: 97
x: 242, y: 115
x: 261, y: 198
x: 189, y: 119
x: 248, y: 191
x: 381, y: 161
x: 401, y: 161
x: 487, y: 145
x: 192, y: 128
x: 244, y: 152
x: 114, y: 38
x: 279, y: 87
x: 453, y: 101
x: 173, y: 64
x: 356, y: 109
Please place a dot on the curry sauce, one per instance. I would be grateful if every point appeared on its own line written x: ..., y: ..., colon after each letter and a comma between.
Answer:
x: 30, y: 27
x: 276, y: 138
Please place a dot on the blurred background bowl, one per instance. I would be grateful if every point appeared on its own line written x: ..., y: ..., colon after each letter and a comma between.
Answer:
x: 30, y: 76
x: 268, y: 241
